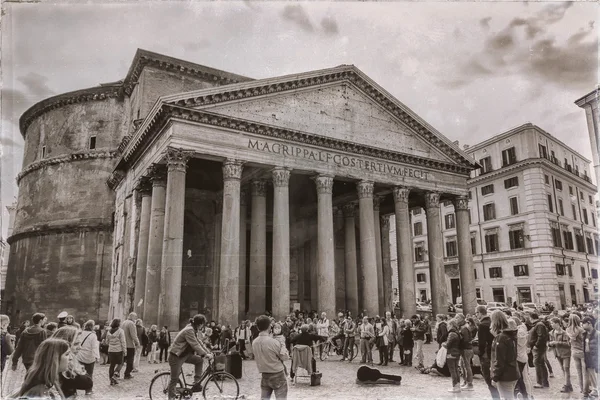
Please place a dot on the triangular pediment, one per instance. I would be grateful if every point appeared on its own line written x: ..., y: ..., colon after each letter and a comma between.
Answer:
x: 340, y: 103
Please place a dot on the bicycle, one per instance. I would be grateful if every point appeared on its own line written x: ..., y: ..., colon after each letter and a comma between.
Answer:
x: 214, y: 384
x: 329, y: 345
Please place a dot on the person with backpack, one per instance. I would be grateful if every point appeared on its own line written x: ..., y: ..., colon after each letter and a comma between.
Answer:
x: 164, y: 342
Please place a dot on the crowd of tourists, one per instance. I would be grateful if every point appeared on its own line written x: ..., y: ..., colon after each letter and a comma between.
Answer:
x: 501, y: 346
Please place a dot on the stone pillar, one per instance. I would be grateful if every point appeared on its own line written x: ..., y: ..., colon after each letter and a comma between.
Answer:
x: 258, y: 249
x: 281, y: 244
x: 325, y: 249
x: 404, y: 246
x: 437, y: 273
x: 386, y: 261
x: 172, y: 254
x: 142, y: 251
x: 216, y: 270
x: 465, y: 257
x: 377, y: 231
x: 242, y: 291
x: 350, y: 259
x: 229, y: 281
x: 155, y: 244
x: 368, y: 252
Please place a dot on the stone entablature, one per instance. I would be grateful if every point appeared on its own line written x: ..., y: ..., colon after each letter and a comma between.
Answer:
x: 48, y: 229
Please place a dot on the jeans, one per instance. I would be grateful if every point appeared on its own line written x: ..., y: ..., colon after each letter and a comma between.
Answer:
x: 273, y: 383
x: 419, y: 351
x: 165, y: 351
x: 539, y: 361
x: 579, y: 366
x: 520, y: 386
x: 591, y: 382
x: 383, y: 354
x: 465, y: 359
x: 116, y: 360
x: 176, y: 363
x: 365, y: 350
x: 349, y: 347
x: 152, y: 352
x: 506, y: 389
x: 485, y: 371
x: 390, y: 350
x: 129, y: 360
x: 565, y: 365
x: 453, y: 367
x: 136, y: 358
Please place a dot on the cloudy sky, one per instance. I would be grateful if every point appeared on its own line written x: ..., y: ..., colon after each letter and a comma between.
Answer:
x: 472, y: 70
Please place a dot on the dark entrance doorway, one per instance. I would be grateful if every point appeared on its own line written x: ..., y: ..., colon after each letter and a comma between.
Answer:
x: 455, y: 289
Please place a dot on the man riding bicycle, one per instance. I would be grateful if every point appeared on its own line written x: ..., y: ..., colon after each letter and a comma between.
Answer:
x: 188, y: 348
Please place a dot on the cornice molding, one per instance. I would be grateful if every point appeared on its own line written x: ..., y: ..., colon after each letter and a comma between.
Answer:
x: 97, y: 93
x: 60, y: 229
x: 167, y: 112
x: 78, y: 156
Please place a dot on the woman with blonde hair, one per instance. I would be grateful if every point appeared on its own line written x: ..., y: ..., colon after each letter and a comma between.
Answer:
x: 50, y: 361
x: 75, y: 377
x: 504, y: 370
x: 575, y: 333
x: 153, y: 342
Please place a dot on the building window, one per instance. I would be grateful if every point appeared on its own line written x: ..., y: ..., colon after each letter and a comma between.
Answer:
x: 567, y: 239
x: 509, y: 156
x: 418, y: 228
x: 488, y: 189
x: 579, y: 241
x: 570, y: 269
x: 478, y: 293
x: 550, y: 206
x: 594, y: 273
x: 590, y: 199
x: 514, y: 205
x: 516, y: 239
x: 590, y: 245
x: 496, y: 272
x: 451, y: 250
x: 546, y: 179
x: 491, y: 242
x: 571, y: 190
x: 558, y: 184
x: 449, y: 221
x: 473, y: 245
x: 593, y: 219
x: 574, y: 211
x: 486, y: 165
x: 521, y: 270
x: 419, y: 253
x: 475, y: 272
x: 43, y: 151
x: 560, y: 270
x: 584, y: 215
x: 555, y: 234
x: 489, y: 212
x: 92, y: 142
x: 543, y: 151
x: 597, y: 245
x: 421, y: 278
x: 417, y: 211
x: 582, y: 272
x: 561, y: 208
x: 581, y: 196
x: 470, y: 221
x: 511, y: 182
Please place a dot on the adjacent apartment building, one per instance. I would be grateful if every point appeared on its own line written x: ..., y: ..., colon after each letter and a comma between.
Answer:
x: 533, y: 224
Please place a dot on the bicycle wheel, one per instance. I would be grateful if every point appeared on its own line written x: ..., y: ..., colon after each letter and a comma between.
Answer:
x: 324, y: 350
x: 355, y: 352
x: 159, y: 387
x: 221, y: 385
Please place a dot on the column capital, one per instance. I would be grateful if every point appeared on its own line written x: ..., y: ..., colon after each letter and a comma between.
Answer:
x: 177, y: 158
x: 349, y: 210
x: 281, y: 177
x: 461, y: 203
x: 385, y: 222
x: 365, y: 189
x: 157, y: 174
x: 401, y: 194
x: 432, y: 200
x: 324, y: 184
x: 143, y: 186
x: 259, y: 188
x: 232, y: 169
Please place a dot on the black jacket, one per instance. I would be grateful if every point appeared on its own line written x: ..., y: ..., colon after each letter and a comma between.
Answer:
x: 504, y: 367
x: 538, y: 336
x: 30, y: 339
x: 305, y: 338
x: 484, y: 337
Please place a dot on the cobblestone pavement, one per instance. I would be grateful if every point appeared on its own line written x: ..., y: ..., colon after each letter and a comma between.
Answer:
x: 338, y: 382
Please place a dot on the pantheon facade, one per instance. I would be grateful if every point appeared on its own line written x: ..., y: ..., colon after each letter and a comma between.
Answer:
x: 232, y: 196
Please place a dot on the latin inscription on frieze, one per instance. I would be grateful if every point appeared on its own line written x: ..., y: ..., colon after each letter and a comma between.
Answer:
x: 341, y: 160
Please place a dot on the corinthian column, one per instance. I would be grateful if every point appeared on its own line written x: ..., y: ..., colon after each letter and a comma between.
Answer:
x: 142, y: 252
x: 258, y: 249
x: 230, y: 245
x: 243, y: 214
x: 325, y: 249
x: 368, y: 253
x: 158, y: 178
x: 281, y: 244
x: 406, y: 273
x: 465, y: 257
x: 437, y: 273
x: 350, y: 259
x: 386, y: 262
x: 171, y: 265
x: 377, y: 230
